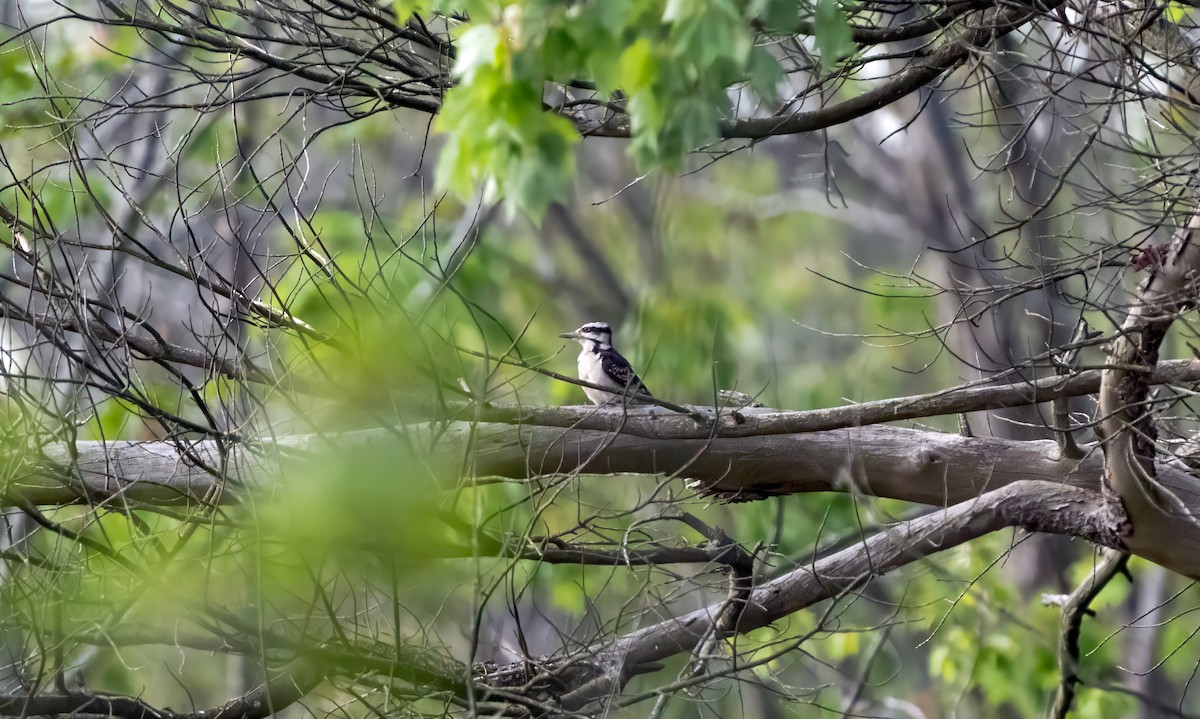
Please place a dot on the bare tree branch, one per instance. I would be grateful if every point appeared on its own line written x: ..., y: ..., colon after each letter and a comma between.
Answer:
x: 757, y: 421
x: 598, y: 672
x: 1074, y: 607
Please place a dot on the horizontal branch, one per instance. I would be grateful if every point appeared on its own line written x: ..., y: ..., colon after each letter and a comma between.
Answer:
x: 758, y: 421
x: 614, y: 555
x: 285, y: 688
x: 932, y: 468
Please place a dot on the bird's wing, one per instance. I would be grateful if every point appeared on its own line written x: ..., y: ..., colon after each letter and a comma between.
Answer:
x: 616, y: 367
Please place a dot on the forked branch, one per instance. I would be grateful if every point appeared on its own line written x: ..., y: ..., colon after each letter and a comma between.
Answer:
x: 597, y: 673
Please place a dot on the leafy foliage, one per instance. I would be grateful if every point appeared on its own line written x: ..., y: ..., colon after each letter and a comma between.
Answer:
x: 670, y: 63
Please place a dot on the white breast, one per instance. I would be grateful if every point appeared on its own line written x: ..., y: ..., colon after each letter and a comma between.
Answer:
x: 590, y: 370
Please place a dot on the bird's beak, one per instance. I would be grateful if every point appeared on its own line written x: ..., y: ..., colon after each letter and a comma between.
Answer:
x: 569, y: 335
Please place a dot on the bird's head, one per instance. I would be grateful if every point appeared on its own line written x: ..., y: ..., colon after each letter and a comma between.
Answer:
x: 598, y: 332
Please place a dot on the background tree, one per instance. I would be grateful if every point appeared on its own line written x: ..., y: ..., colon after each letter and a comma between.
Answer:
x: 282, y: 427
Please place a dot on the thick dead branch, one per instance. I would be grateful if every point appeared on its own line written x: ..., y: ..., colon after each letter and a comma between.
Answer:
x: 927, y: 467
x: 932, y: 468
x: 182, y: 473
x: 1157, y: 512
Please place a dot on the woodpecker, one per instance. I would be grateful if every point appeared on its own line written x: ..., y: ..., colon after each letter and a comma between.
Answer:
x: 601, y: 364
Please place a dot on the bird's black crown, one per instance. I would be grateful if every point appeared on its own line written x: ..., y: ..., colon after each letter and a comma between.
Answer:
x: 596, y: 328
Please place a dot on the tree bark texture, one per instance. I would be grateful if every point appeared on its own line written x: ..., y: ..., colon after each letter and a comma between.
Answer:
x: 932, y: 468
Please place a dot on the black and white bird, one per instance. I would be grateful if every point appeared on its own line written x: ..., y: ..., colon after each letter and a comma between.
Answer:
x: 601, y: 364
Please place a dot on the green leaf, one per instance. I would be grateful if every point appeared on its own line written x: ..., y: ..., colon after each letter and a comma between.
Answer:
x: 638, y: 68
x: 677, y: 10
x: 697, y: 122
x: 478, y: 47
x: 765, y: 74
x: 404, y: 9
x: 777, y: 15
x: 832, y: 33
